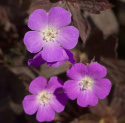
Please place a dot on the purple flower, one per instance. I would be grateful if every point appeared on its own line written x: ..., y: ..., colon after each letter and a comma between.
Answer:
x: 38, y: 60
x: 50, y: 34
x: 46, y: 99
x: 87, y: 84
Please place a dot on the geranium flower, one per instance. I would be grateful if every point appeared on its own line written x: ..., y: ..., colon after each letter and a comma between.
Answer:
x: 87, y: 84
x: 38, y: 60
x: 50, y: 33
x: 45, y: 99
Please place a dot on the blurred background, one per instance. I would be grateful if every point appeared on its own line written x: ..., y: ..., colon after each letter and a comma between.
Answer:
x: 102, y: 37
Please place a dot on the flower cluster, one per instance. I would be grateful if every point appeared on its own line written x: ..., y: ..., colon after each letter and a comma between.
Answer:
x: 50, y: 39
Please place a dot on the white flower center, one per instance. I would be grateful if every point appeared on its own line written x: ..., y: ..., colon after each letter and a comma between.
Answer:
x: 85, y: 83
x: 44, y: 97
x: 49, y: 34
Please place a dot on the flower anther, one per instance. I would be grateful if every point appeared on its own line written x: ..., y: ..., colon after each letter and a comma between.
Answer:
x: 49, y: 34
x: 44, y: 97
x: 85, y: 83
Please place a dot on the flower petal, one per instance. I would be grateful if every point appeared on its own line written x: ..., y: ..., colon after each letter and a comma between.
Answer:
x: 67, y: 55
x: 52, y: 52
x: 68, y: 37
x: 45, y: 113
x: 58, y: 103
x: 54, y: 64
x: 77, y: 71
x: 87, y: 98
x: 38, y: 20
x: 54, y: 83
x: 61, y: 61
x: 33, y: 41
x: 71, y: 89
x: 70, y: 55
x: 102, y: 88
x: 30, y: 104
x: 96, y: 70
x: 37, y: 85
x: 37, y: 60
x: 58, y: 17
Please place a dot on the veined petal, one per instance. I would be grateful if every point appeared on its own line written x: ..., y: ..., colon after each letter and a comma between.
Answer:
x: 59, y: 62
x: 54, y: 64
x: 37, y: 60
x: 33, y: 41
x: 30, y: 104
x: 71, y: 88
x: 68, y: 37
x: 38, y: 20
x: 70, y: 56
x: 52, y: 52
x: 102, y: 87
x: 58, y: 103
x: 77, y: 71
x: 87, y: 98
x: 54, y: 83
x: 45, y: 113
x: 67, y: 56
x: 96, y: 70
x: 37, y: 85
x: 58, y: 17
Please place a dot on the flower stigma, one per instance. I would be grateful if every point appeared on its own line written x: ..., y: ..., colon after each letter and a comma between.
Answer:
x: 86, y: 83
x: 44, y: 97
x: 49, y: 34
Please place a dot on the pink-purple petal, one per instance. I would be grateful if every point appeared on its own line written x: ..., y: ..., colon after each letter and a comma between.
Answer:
x: 38, y: 20
x: 71, y: 88
x: 30, y: 104
x: 33, y: 41
x: 67, y: 56
x: 55, y: 64
x: 96, y: 70
x: 54, y: 83
x: 68, y: 37
x: 59, y: 62
x: 102, y: 88
x: 45, y: 113
x: 37, y: 60
x: 58, y: 103
x: 87, y: 98
x: 77, y: 71
x: 70, y: 56
x: 52, y: 52
x: 58, y: 17
x: 37, y: 85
